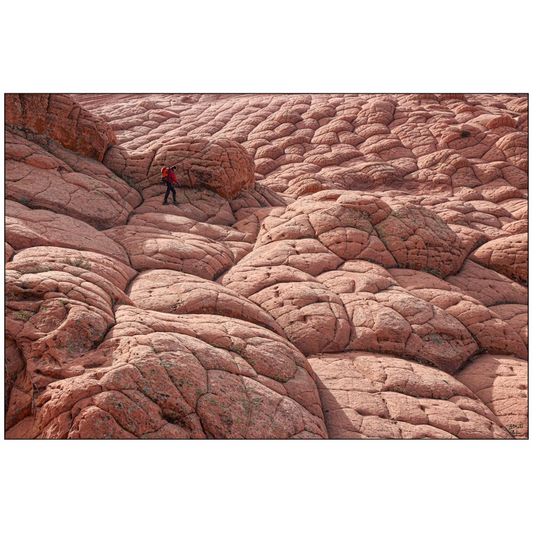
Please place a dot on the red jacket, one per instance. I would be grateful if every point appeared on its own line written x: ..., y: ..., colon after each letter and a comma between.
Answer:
x: 168, y: 176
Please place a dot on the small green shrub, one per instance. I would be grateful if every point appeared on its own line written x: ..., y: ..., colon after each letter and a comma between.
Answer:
x: 78, y: 262
x: 24, y: 315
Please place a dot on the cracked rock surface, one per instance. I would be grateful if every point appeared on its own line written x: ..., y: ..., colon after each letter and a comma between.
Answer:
x: 336, y: 266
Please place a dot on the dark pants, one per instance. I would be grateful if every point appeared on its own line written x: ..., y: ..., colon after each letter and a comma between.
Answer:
x: 170, y: 187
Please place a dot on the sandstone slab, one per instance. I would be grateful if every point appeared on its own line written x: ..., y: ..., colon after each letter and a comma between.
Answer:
x: 500, y: 382
x: 380, y: 397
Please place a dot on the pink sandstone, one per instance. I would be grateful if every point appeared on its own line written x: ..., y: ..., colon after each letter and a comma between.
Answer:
x: 336, y: 266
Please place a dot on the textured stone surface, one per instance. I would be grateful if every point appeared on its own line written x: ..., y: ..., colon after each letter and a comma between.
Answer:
x: 342, y: 266
x: 57, y: 311
x: 200, y: 205
x: 67, y: 184
x: 388, y: 319
x: 500, y: 382
x: 516, y: 316
x: 58, y: 117
x: 191, y: 376
x: 507, y: 255
x: 8, y: 252
x: 174, y: 292
x: 46, y: 258
x: 150, y: 248
x: 492, y: 331
x: 355, y: 226
x: 487, y: 285
x: 39, y: 227
x: 221, y: 165
x: 377, y: 396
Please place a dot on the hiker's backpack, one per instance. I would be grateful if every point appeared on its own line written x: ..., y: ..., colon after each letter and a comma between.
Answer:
x: 165, y: 175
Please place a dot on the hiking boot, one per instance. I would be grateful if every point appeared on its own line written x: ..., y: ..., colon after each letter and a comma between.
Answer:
x: 175, y: 203
x: 165, y: 203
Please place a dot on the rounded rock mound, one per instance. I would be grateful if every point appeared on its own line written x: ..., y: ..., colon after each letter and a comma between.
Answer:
x: 186, y: 376
x: 221, y: 165
x: 351, y: 226
x: 60, y: 118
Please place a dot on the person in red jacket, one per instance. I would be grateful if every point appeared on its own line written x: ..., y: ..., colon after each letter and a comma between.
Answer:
x: 168, y: 177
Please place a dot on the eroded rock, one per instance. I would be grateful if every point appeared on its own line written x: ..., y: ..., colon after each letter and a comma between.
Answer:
x: 173, y: 292
x: 38, y: 227
x: 507, y: 255
x: 500, y: 382
x: 60, y: 118
x: 193, y: 376
x: 379, y: 239
x: 380, y: 397
x: 221, y: 165
x: 83, y: 189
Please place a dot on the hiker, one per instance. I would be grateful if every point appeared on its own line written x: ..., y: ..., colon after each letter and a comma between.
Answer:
x: 168, y: 177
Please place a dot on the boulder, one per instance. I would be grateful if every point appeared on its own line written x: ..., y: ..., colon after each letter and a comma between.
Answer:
x: 221, y: 165
x: 374, y: 396
x: 59, y: 118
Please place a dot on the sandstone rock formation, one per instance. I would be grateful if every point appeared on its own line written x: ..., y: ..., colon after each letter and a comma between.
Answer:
x: 337, y: 266
x: 368, y: 395
x: 222, y: 165
x: 59, y: 118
